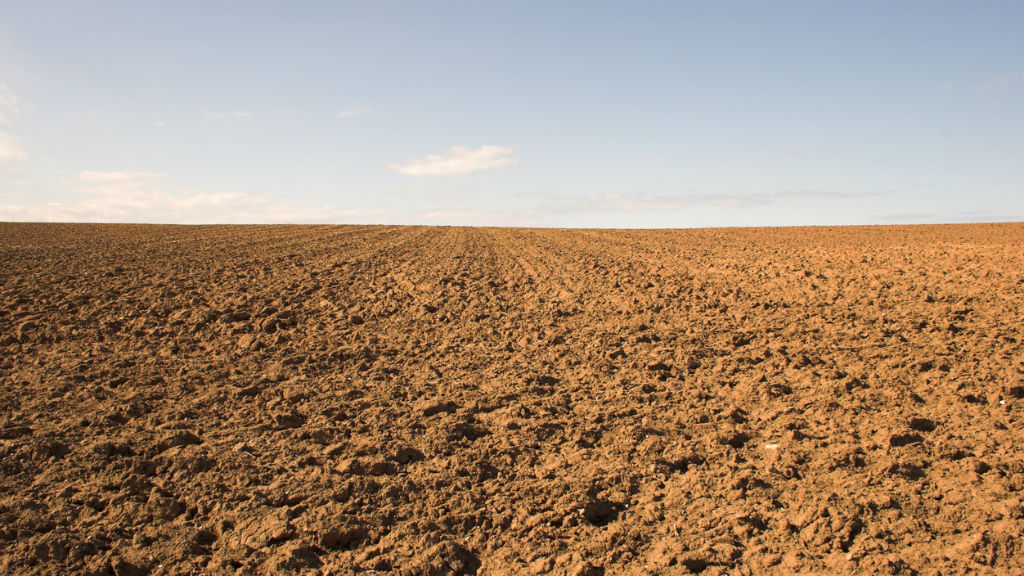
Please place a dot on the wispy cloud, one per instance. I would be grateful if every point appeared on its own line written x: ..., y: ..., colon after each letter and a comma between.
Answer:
x: 956, y: 217
x: 554, y: 209
x: 819, y: 194
x: 31, y: 181
x: 350, y: 112
x: 229, y: 115
x: 1001, y: 84
x: 10, y: 104
x: 119, y: 179
x: 473, y: 217
x: 899, y: 217
x: 10, y: 149
x: 146, y: 197
x: 645, y: 202
x: 457, y: 161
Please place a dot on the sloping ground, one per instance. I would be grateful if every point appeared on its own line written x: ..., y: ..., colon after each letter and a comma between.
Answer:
x: 336, y: 400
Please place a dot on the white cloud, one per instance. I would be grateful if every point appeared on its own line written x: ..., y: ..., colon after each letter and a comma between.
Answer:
x: 144, y: 197
x: 10, y: 104
x: 229, y: 115
x: 10, y: 149
x: 1001, y: 84
x: 458, y: 161
x: 349, y: 113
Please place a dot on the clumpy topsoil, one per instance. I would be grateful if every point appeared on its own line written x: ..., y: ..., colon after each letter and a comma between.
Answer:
x: 406, y: 400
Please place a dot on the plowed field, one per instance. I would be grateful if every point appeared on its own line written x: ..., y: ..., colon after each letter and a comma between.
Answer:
x: 339, y: 400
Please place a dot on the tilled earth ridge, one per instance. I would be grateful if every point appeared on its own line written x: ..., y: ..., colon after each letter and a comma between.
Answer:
x: 339, y: 400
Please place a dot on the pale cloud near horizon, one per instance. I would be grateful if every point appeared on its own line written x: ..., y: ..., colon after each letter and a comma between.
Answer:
x: 152, y: 197
x: 644, y: 202
x: 559, y: 209
x: 229, y: 115
x: 457, y: 161
x: 131, y: 178
x: 351, y: 112
x: 1001, y: 84
x: 145, y: 197
x: 10, y: 149
x: 477, y: 217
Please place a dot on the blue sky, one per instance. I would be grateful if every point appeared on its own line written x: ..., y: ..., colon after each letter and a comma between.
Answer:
x: 604, y: 114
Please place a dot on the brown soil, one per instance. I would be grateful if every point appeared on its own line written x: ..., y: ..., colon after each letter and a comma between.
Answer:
x: 337, y: 400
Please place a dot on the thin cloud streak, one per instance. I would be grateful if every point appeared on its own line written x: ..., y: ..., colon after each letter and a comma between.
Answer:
x: 352, y: 112
x: 640, y: 202
x: 562, y: 210
x: 1001, y: 84
x: 125, y: 177
x: 473, y: 218
x: 457, y: 161
x: 142, y: 197
x: 906, y: 217
x: 229, y: 115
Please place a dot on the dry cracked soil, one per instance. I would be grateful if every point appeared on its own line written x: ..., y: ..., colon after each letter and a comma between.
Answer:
x: 414, y: 400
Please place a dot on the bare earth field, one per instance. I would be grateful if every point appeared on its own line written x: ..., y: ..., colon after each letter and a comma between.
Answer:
x: 339, y: 400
